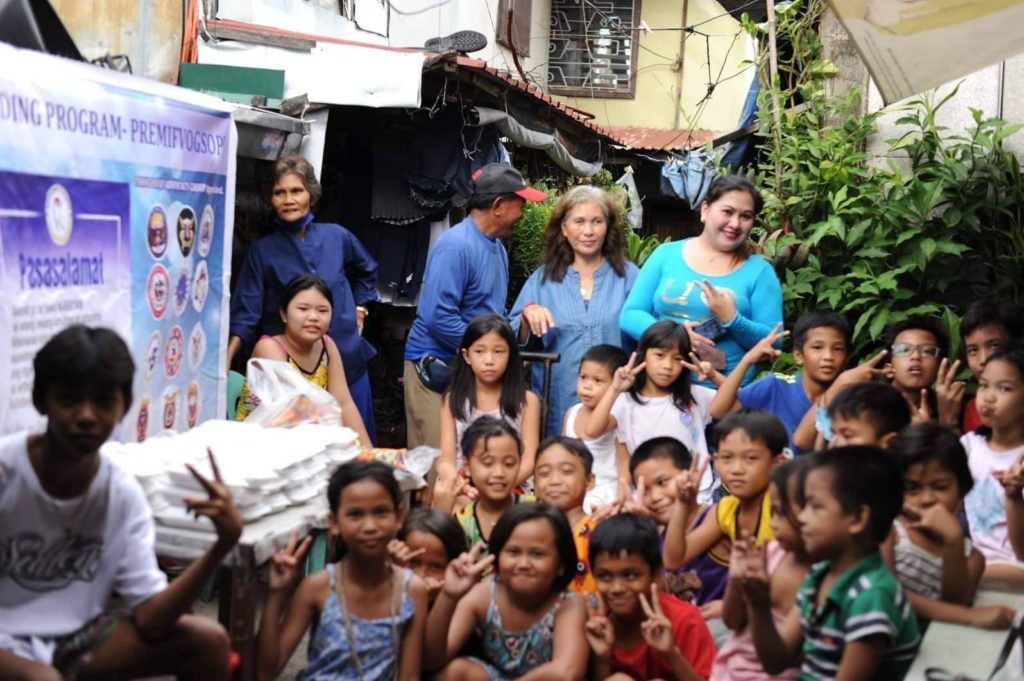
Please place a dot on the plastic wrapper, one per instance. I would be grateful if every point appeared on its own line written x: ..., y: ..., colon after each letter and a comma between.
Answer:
x: 286, y: 398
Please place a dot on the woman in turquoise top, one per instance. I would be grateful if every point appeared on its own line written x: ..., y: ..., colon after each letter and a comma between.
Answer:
x: 712, y: 280
x: 572, y: 301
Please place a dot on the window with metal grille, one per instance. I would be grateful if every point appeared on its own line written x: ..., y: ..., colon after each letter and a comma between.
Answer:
x: 592, y: 48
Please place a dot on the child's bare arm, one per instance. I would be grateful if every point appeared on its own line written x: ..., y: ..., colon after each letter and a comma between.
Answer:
x: 734, y: 605
x: 725, y: 399
x: 277, y: 642
x: 446, y: 461
x: 457, y: 608
x: 807, y: 431
x: 1012, y: 481
x: 158, y: 615
x: 682, y: 544
x: 777, y: 647
x: 601, y: 420
x: 991, y: 617
x: 570, y: 654
x: 862, y: 658
x: 621, y: 460
x: 529, y: 433
x: 411, y: 658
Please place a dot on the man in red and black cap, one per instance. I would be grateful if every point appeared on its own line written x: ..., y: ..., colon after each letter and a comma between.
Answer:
x: 466, y: 276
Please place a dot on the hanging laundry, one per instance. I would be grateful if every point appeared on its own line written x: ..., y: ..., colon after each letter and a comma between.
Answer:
x: 688, y: 177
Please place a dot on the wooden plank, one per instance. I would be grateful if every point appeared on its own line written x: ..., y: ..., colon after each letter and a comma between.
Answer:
x: 258, y: 38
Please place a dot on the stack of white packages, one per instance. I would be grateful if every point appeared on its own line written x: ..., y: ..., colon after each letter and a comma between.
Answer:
x: 267, y: 469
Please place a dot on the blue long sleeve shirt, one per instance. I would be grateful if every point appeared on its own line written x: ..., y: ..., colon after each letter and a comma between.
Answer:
x: 328, y: 251
x: 466, y: 276
x: 579, y: 326
x: 666, y: 288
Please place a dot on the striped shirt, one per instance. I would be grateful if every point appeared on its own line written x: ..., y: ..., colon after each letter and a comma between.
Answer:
x: 917, y: 569
x: 865, y: 601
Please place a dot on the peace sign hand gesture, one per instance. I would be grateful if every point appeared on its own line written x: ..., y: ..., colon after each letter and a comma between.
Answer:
x: 949, y: 393
x: 923, y: 413
x: 219, y: 507
x: 624, y: 376
x: 635, y: 502
x: 465, y: 571
x: 599, y: 630
x: 862, y: 373
x: 1012, y: 479
x: 703, y: 368
x: 765, y: 349
x: 656, y: 629
x: 400, y: 553
x: 688, y: 482
x: 286, y: 564
x: 719, y: 301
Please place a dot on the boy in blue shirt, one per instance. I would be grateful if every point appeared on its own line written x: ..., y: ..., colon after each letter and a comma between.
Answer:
x: 821, y: 345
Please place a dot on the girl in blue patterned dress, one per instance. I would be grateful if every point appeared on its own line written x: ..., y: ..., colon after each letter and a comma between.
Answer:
x: 525, y: 620
x: 367, y: 614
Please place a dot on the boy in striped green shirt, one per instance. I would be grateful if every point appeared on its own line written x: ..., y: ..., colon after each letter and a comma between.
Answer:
x: 852, y: 619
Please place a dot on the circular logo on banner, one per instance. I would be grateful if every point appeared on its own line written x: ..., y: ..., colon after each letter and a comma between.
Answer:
x: 156, y: 231
x: 182, y: 286
x: 152, y: 357
x: 158, y: 290
x: 142, y: 420
x: 170, y: 403
x: 174, y: 353
x: 192, y: 404
x: 59, y: 215
x: 196, y: 347
x: 200, y: 286
x: 186, y: 230
x: 205, y: 231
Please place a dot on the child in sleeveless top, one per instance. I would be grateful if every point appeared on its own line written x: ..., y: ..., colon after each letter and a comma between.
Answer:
x: 488, y: 380
x: 594, y: 388
x: 787, y: 564
x: 936, y: 564
x: 527, y: 622
x: 306, y: 309
x: 367, y: 615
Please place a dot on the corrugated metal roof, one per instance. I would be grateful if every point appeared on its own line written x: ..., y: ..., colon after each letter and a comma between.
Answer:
x: 582, y: 117
x: 661, y: 139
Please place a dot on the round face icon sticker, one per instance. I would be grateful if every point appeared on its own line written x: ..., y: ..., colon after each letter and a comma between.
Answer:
x: 196, y: 347
x: 156, y: 232
x: 142, y: 420
x: 60, y: 216
x: 174, y: 353
x: 192, y: 404
x: 205, y: 231
x: 170, y: 403
x: 182, y: 287
x: 158, y: 290
x: 186, y: 230
x: 200, y: 286
x: 152, y: 357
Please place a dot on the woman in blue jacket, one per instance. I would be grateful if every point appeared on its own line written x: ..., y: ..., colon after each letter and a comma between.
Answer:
x: 297, y: 246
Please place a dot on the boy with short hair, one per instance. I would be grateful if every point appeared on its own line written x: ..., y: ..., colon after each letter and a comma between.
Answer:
x: 637, y: 631
x: 853, y: 620
x: 821, y: 345
x: 920, y: 369
x: 611, y: 458
x: 653, y: 469
x: 74, y: 528
x: 867, y: 414
x: 987, y: 326
x: 561, y: 477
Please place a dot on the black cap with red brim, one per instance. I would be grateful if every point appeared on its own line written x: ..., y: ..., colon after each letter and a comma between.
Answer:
x: 497, y: 178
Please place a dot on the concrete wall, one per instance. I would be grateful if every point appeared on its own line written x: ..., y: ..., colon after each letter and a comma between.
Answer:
x: 660, y: 101
x: 148, y: 31
x: 998, y: 91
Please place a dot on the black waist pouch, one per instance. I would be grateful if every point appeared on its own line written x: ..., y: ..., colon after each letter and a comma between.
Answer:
x: 434, y: 373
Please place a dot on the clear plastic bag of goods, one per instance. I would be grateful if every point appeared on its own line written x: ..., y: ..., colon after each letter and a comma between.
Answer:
x: 286, y: 398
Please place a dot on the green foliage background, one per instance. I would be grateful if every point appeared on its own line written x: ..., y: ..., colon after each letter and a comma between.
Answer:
x: 925, y: 227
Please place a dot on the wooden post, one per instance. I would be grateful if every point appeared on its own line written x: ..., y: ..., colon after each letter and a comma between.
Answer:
x: 775, y: 84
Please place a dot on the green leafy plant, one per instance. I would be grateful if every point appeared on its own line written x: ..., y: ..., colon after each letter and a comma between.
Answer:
x: 922, y: 228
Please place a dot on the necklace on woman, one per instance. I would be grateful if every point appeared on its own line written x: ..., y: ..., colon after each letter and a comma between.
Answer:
x: 350, y: 633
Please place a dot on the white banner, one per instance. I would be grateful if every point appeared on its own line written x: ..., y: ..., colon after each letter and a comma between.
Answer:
x: 910, y: 46
x: 116, y: 209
